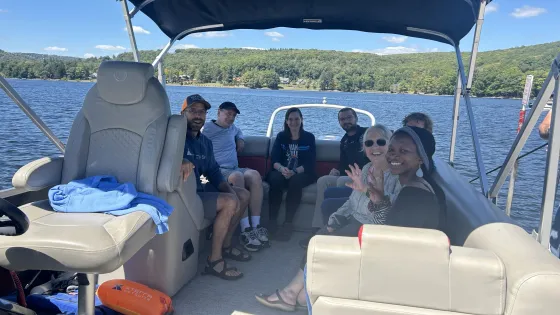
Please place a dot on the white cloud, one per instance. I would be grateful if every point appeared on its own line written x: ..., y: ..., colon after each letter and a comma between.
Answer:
x: 88, y: 55
x: 110, y: 47
x: 395, y: 50
x: 527, y: 12
x: 186, y: 46
x: 492, y: 7
x: 273, y: 34
x: 275, y: 39
x: 395, y: 39
x: 54, y: 48
x: 139, y: 30
x: 389, y: 50
x: 254, y: 48
x: 211, y: 34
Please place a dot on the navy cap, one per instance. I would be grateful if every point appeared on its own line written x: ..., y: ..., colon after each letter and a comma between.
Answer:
x: 229, y: 105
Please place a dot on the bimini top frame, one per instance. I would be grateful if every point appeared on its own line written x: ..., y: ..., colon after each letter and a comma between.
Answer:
x: 446, y: 21
x: 269, y: 129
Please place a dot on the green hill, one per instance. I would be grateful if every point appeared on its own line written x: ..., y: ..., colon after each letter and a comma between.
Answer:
x: 499, y: 73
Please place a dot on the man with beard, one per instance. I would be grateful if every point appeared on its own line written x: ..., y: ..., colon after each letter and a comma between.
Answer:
x: 351, y: 152
x: 227, y: 205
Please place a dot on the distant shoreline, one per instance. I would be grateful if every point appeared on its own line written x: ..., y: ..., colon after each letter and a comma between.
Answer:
x: 282, y: 87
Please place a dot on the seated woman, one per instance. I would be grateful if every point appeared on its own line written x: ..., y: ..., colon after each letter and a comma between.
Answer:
x: 293, y: 159
x: 419, y: 203
x: 353, y: 213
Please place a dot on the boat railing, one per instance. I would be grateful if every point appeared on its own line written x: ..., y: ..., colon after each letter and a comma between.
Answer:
x: 269, y: 129
x: 551, y: 85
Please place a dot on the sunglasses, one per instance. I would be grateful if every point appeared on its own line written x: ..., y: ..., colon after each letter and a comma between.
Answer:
x: 380, y: 142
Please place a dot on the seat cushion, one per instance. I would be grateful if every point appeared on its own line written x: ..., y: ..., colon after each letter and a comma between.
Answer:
x: 64, y: 241
x: 309, y: 193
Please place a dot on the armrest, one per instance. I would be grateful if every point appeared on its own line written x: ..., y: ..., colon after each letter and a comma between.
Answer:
x: 169, y: 173
x: 39, y: 174
x: 333, y: 267
x: 187, y: 192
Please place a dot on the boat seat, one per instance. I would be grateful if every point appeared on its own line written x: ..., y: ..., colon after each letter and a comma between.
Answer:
x: 396, y: 270
x: 124, y: 129
x: 63, y: 241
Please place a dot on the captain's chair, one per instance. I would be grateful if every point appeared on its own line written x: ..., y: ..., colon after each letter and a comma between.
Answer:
x: 125, y: 129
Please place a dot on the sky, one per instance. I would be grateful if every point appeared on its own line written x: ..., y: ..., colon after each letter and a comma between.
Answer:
x: 97, y: 28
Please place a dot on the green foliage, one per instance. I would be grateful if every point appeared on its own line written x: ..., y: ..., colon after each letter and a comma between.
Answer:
x: 499, y: 73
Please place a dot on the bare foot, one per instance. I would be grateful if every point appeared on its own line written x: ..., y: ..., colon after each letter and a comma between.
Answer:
x: 301, y: 298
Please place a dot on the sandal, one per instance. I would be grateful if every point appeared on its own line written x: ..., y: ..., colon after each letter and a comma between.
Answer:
x: 227, y: 252
x: 209, y: 270
x: 280, y: 304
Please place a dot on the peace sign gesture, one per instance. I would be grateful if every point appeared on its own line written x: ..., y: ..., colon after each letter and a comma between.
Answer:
x: 355, y: 175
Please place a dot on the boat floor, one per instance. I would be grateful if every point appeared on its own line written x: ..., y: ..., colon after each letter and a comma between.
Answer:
x: 269, y: 269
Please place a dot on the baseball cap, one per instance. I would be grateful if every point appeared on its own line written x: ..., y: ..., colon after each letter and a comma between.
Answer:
x: 195, y: 98
x: 229, y: 105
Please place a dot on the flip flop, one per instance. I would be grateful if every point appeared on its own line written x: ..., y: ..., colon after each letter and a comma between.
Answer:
x: 280, y: 304
x: 241, y: 256
x: 301, y: 307
x: 209, y: 270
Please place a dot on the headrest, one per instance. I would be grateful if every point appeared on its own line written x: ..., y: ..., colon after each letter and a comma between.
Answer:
x: 123, y: 82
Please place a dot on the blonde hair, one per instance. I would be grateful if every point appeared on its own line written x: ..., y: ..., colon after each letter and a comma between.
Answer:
x: 385, y: 132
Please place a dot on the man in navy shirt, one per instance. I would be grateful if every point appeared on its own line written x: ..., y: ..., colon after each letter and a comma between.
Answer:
x: 227, y: 205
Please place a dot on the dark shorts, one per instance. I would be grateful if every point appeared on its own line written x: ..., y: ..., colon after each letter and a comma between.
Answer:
x: 210, y: 203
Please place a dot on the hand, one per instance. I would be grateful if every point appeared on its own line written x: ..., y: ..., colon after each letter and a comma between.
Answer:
x: 375, y: 184
x: 355, y: 175
x: 334, y: 172
x: 186, y: 169
x: 330, y: 229
x: 240, y: 145
x: 289, y: 173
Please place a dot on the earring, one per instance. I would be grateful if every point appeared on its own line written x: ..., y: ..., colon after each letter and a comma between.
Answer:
x: 419, y: 172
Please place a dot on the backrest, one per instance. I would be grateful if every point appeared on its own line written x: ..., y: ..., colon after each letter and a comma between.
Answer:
x: 467, y: 208
x: 121, y: 127
x: 533, y: 273
x: 255, y: 154
x: 405, y: 267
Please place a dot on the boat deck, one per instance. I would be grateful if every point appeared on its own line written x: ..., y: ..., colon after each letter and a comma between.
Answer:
x: 269, y: 269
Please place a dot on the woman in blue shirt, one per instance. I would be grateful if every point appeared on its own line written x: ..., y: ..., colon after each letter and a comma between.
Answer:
x: 293, y: 160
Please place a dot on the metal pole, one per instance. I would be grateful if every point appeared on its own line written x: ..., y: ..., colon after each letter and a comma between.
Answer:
x: 130, y: 31
x: 474, y: 132
x: 86, y: 293
x: 456, y: 102
x: 513, y: 176
x: 530, y: 122
x: 551, y: 172
x: 30, y: 113
x: 459, y: 88
x: 161, y: 73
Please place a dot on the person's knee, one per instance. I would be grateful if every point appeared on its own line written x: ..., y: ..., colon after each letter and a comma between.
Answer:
x: 229, y: 205
x: 237, y: 179
x: 253, y: 179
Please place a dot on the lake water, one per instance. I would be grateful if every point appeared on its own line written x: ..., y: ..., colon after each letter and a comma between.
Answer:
x: 57, y: 103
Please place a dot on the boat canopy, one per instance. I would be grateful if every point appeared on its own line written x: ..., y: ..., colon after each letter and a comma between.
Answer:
x: 451, y: 18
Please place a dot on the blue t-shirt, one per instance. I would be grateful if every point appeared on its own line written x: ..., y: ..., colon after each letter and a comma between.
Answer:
x: 224, y: 142
x: 199, y: 151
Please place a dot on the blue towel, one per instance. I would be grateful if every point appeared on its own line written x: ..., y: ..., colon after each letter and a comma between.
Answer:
x: 104, y: 194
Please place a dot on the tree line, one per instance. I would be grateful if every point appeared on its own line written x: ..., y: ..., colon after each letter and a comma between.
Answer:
x: 499, y: 73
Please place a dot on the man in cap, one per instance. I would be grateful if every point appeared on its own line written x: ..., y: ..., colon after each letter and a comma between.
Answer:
x: 226, y: 206
x: 227, y: 140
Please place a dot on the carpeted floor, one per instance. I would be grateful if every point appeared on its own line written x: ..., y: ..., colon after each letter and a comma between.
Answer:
x: 269, y: 269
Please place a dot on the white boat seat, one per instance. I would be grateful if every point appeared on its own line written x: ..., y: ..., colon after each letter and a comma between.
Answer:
x: 63, y: 241
x: 124, y: 129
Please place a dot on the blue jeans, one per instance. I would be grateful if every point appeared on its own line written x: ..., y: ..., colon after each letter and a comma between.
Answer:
x: 330, y: 205
x: 338, y: 192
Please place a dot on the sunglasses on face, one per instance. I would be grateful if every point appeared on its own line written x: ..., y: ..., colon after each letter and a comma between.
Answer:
x: 380, y: 142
